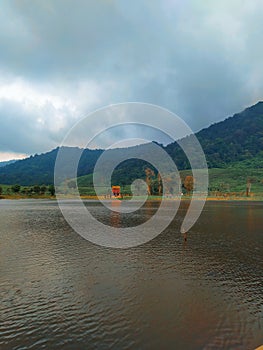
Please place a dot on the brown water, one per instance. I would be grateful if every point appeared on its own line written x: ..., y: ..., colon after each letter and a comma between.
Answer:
x: 59, y: 291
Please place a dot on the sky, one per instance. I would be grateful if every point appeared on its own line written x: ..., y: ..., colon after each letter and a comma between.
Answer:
x: 61, y: 60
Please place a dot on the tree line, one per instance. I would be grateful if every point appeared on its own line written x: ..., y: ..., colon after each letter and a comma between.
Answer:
x: 29, y: 190
x: 170, y: 185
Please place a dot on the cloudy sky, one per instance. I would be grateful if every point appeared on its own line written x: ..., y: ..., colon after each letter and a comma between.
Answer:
x: 62, y: 59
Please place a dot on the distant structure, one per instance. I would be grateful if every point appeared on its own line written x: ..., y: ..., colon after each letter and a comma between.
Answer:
x: 116, y: 191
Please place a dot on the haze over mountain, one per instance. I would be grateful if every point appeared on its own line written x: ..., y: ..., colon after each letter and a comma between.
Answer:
x: 7, y: 162
x: 236, y: 139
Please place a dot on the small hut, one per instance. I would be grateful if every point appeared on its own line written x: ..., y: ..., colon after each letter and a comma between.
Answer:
x: 116, y: 191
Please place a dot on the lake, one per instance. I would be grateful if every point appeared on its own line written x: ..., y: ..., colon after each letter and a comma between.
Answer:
x: 59, y: 291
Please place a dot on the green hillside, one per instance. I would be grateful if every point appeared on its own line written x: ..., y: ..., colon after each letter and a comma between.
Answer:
x: 221, y: 180
x: 235, y: 139
x: 39, y: 169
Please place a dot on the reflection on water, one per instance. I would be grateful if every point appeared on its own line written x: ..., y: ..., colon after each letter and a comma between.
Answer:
x: 59, y: 291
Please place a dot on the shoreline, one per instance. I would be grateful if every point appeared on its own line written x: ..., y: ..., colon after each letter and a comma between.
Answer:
x: 151, y: 198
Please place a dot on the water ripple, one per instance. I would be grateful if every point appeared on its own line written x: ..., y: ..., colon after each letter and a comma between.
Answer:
x: 59, y: 291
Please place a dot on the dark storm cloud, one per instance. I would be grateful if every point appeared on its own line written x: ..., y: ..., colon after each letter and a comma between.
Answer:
x: 202, y: 60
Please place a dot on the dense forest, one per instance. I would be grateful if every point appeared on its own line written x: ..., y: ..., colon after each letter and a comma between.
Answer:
x: 39, y: 169
x: 235, y: 142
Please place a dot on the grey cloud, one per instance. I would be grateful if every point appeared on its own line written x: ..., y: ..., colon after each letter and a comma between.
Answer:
x: 202, y: 60
x: 20, y: 132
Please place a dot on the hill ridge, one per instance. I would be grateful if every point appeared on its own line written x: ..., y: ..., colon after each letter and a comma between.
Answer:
x: 236, y: 139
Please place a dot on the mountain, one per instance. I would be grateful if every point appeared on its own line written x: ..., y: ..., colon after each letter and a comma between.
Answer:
x: 7, y: 162
x: 235, y: 142
x: 39, y: 169
x: 237, y: 138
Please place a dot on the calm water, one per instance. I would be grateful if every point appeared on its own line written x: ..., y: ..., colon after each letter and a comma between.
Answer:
x: 59, y: 291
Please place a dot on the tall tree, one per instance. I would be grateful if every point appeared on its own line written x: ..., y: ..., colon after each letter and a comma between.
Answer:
x: 149, y: 179
x: 43, y: 189
x: 37, y: 189
x: 51, y: 190
x: 189, y: 184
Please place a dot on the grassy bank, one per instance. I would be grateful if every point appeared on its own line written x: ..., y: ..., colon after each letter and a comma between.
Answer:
x: 21, y: 196
x: 224, y: 184
x: 231, y: 181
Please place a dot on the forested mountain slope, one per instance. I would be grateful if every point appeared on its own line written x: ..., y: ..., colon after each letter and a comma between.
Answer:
x: 236, y: 140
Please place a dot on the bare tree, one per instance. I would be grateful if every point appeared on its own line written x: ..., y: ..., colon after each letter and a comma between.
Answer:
x: 160, y: 190
x: 248, y: 187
